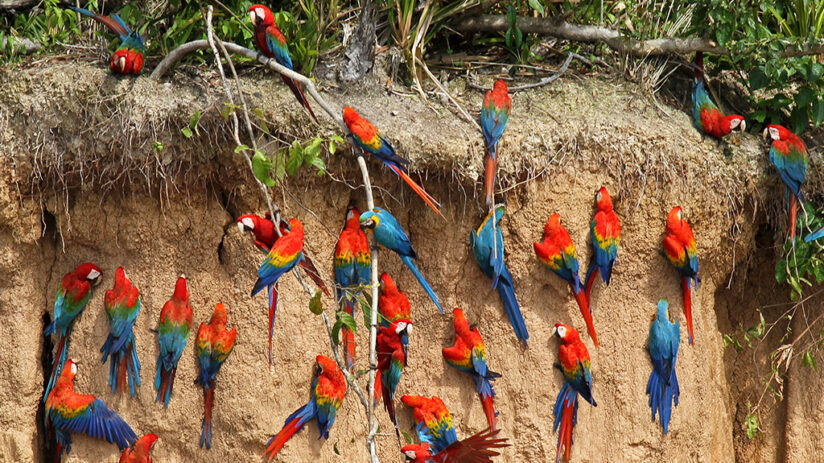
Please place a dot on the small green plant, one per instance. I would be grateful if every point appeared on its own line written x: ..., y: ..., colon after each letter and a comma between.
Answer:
x: 803, y: 263
x: 192, y: 129
x: 751, y: 424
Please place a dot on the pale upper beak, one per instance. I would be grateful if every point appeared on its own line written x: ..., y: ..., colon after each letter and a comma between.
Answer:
x: 121, y: 63
x: 765, y: 133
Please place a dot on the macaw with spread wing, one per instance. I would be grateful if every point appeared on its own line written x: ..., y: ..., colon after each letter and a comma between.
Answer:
x: 122, y: 304
x: 575, y: 366
x: 213, y: 346
x: 487, y: 243
x: 478, y: 448
x: 128, y: 58
x: 494, y: 117
x: 353, y: 270
x: 662, y: 387
x: 681, y: 251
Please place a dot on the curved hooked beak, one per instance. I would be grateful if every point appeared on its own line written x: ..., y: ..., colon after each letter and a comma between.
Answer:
x: 765, y: 133
x: 121, y: 63
x: 254, y: 17
x: 743, y: 126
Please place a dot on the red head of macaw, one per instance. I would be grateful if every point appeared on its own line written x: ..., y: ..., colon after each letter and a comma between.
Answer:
x: 139, y: 452
x: 353, y: 270
x: 172, y: 333
x: 789, y: 156
x: 272, y: 43
x: 72, y: 295
x: 434, y: 422
x: 557, y: 252
x: 391, y: 361
x: 213, y: 346
x: 122, y: 304
x: 468, y: 354
x: 69, y: 412
x: 494, y: 117
x: 708, y: 119
x: 327, y: 392
x: 262, y: 228
x: 605, y: 231
x: 366, y: 137
x: 477, y: 448
x: 128, y: 58
x: 395, y: 310
x: 575, y: 365
x: 680, y: 249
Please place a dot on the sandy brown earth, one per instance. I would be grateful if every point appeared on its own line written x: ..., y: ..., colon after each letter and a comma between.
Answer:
x: 81, y: 182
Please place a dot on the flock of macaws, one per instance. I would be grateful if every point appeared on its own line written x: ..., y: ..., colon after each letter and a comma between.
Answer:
x: 283, y: 243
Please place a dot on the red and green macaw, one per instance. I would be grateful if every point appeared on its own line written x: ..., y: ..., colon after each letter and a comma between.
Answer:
x: 605, y: 231
x: 391, y: 361
x: 325, y: 398
x: 557, y: 252
x: 284, y: 255
x: 680, y: 249
x: 69, y: 412
x: 708, y: 119
x: 487, y: 243
x: 139, y: 451
x: 789, y: 156
x: 353, y: 270
x: 395, y: 309
x: 172, y: 334
x: 575, y: 366
x: 433, y: 421
x: 662, y: 387
x: 122, y: 304
x: 366, y: 137
x: 477, y: 448
x: 213, y: 346
x: 494, y: 117
x: 389, y: 234
x: 272, y: 43
x: 73, y: 294
x: 128, y: 58
x: 468, y: 354
x: 265, y: 237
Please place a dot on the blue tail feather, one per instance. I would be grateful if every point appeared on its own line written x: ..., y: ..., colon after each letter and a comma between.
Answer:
x: 412, y: 267
x: 513, y: 310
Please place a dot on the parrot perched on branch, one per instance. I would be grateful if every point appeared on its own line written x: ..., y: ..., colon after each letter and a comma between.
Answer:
x: 272, y: 43
x: 662, y: 387
x: 128, y: 58
x: 680, y: 249
x: 172, y: 333
x: 213, y: 346
x: 122, y: 304
x: 487, y: 243
x: 557, y: 252
x: 707, y: 118
x: 574, y: 365
x: 73, y: 294
x: 284, y: 255
x: 468, y: 354
x: 789, y: 156
x: 605, y: 231
x: 353, y: 270
x: 366, y: 137
x: 139, y: 451
x: 69, y: 412
x: 395, y: 308
x: 392, y: 355
x: 494, y: 117
x: 477, y: 448
x: 325, y: 398
x: 389, y: 234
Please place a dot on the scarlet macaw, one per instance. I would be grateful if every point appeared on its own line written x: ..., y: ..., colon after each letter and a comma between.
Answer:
x: 139, y: 451
x: 395, y: 309
x: 575, y: 366
x: 477, y: 448
x: 273, y: 44
x: 122, y: 304
x: 662, y: 387
x: 366, y: 137
x: 433, y: 421
x: 707, y: 118
x: 326, y: 396
x: 128, y: 58
x: 494, y: 117
x: 353, y: 270
x: 605, y: 231
x: 172, y: 333
x: 680, y: 249
x: 789, y: 156
x: 214, y: 344
x: 557, y: 252
x: 389, y: 234
x: 391, y: 362
x: 73, y: 294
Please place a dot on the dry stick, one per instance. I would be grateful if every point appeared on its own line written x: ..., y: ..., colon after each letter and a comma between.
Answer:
x: 182, y: 51
x: 540, y: 83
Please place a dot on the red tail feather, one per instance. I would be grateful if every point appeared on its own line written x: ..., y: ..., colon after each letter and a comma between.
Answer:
x: 491, y: 168
x: 272, y: 308
x: 208, y: 403
x: 121, y: 371
x: 685, y: 285
x: 60, y: 346
x: 489, y: 409
x: 312, y: 272
x: 299, y: 95
x: 591, y: 277
x: 349, y: 346
x: 426, y: 197
x: 282, y: 437
x: 793, y: 215
x: 581, y: 298
x: 389, y: 404
x: 565, y: 433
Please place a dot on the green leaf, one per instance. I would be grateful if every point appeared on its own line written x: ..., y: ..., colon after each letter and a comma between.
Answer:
x: 193, y: 122
x: 295, y: 158
x: 241, y: 148
x: 804, y: 97
x: 260, y: 166
x: 407, y: 437
x: 536, y: 5
x: 348, y: 321
x: 799, y: 119
x: 508, y: 37
x: 758, y: 79
x: 261, y: 120
x: 818, y: 111
x: 315, y: 304
x: 227, y: 110
x: 759, y: 115
x: 751, y: 425
x: 511, y: 16
x: 809, y: 360
x: 519, y: 38
x: 814, y: 72
x: 336, y: 332
x: 187, y: 132
x: 280, y: 167
x: 781, y: 272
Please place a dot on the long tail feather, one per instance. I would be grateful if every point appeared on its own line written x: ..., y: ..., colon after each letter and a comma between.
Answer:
x: 59, y: 362
x: 119, y: 363
x: 166, y: 380
x: 273, y: 307
x: 294, y: 423
x: 814, y: 235
x: 412, y: 267
x: 793, y: 215
x: 349, y: 339
x: 208, y: 403
x: 699, y: 62
x: 685, y: 286
x: 298, y: 92
x: 589, y: 282
x: 389, y: 405
x: 106, y: 21
x: 566, y: 411
x: 581, y: 298
x: 513, y: 310
x: 489, y: 409
x: 312, y: 272
x: 491, y: 168
x: 426, y: 197
x: 482, y: 445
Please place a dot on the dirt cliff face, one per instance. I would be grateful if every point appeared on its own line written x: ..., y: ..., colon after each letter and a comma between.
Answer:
x: 172, y: 212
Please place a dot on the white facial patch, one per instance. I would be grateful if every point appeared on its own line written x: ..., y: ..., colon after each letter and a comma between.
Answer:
x: 93, y: 274
x: 774, y: 133
x: 734, y: 123
x: 259, y: 13
x: 561, y: 330
x: 409, y: 329
x: 410, y: 454
x: 248, y: 223
x: 679, y: 214
x: 350, y: 214
x: 598, y: 196
x: 400, y: 327
x: 74, y: 368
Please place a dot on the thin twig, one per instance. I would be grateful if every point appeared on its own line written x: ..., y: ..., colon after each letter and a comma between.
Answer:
x: 540, y: 83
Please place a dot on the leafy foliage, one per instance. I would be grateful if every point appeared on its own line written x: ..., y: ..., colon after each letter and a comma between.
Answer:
x: 803, y: 264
